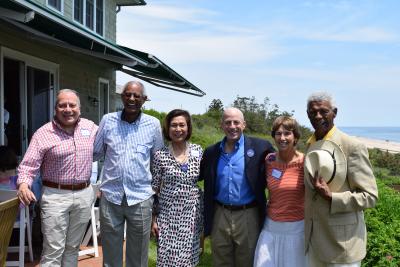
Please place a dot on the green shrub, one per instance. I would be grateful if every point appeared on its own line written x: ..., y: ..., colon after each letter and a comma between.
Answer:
x: 385, y: 159
x: 383, y: 226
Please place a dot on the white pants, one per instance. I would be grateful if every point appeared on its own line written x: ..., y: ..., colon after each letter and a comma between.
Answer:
x: 65, y: 215
x: 313, y: 261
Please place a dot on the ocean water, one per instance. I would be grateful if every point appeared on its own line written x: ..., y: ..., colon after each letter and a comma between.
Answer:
x: 381, y: 133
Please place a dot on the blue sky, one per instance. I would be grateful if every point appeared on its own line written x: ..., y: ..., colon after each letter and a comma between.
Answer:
x: 284, y: 50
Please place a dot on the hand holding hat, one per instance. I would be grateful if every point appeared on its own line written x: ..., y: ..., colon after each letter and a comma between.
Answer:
x: 326, y: 164
x: 321, y: 187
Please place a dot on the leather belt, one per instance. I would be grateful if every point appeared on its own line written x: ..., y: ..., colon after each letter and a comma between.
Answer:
x: 72, y: 187
x: 238, y: 207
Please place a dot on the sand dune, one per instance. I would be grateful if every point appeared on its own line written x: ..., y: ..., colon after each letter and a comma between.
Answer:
x: 381, y: 144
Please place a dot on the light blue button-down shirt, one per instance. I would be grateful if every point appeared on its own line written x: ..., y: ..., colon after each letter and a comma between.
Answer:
x: 232, y: 187
x: 127, y: 149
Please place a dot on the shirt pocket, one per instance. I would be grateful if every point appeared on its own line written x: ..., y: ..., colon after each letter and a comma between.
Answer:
x: 142, y: 149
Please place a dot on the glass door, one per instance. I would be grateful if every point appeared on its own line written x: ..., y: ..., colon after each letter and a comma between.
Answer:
x: 13, y: 86
x: 28, y: 97
x: 40, y: 84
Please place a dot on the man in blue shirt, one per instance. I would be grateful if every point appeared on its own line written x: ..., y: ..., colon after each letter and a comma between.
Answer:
x: 127, y: 140
x: 234, y: 185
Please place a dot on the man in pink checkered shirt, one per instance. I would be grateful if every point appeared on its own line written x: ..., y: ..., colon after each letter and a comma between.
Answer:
x: 62, y: 151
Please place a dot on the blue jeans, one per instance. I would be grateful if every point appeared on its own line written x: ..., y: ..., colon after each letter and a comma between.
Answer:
x: 138, y: 222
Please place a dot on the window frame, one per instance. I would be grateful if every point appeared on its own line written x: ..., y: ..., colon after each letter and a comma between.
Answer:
x: 95, y: 21
x: 61, y: 11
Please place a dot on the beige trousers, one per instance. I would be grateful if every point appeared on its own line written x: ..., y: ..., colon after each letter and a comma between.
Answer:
x: 65, y: 215
x: 234, y: 237
x: 313, y: 261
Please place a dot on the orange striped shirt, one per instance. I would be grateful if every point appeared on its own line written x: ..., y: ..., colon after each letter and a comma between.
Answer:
x: 285, y: 183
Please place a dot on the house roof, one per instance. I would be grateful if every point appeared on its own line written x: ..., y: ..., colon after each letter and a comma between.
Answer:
x: 50, y: 27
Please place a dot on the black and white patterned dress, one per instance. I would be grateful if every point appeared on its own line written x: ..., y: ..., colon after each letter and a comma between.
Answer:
x: 180, y: 218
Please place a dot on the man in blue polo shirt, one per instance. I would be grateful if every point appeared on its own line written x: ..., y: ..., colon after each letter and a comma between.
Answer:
x: 234, y: 185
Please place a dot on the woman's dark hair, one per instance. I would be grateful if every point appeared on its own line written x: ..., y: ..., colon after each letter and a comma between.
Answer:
x: 175, y: 113
x: 8, y: 159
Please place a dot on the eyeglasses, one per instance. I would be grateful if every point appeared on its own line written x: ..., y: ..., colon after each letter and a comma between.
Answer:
x: 129, y: 95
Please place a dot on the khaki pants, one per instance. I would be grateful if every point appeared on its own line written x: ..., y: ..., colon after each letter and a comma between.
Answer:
x: 65, y: 215
x: 313, y: 261
x: 234, y: 237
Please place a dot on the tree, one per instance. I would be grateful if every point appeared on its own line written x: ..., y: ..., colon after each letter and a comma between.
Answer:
x: 215, y: 110
x: 216, y: 105
x: 259, y: 116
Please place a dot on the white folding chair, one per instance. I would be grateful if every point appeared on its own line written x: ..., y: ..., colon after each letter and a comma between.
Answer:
x: 94, y: 227
x: 23, y: 224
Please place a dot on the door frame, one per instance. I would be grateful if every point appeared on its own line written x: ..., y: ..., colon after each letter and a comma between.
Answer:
x: 28, y: 61
x: 106, y: 97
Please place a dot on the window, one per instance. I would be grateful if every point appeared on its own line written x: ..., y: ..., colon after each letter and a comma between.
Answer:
x: 90, y: 13
x: 99, y: 16
x: 78, y: 11
x: 56, y: 4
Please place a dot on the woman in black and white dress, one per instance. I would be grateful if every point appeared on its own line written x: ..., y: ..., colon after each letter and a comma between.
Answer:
x: 178, y: 221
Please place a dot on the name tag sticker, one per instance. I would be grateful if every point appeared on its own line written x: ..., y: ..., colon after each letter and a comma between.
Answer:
x: 85, y: 132
x: 141, y: 149
x: 195, y: 153
x: 277, y: 174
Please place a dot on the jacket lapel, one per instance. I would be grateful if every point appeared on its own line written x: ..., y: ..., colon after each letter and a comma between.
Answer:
x: 247, y: 146
x: 217, y: 154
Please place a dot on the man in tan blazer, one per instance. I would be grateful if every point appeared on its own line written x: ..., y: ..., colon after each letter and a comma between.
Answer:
x: 335, y: 232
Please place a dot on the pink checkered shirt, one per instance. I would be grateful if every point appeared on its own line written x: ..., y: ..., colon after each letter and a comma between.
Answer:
x: 60, y: 157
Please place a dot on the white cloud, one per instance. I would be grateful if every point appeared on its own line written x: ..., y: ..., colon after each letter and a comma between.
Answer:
x: 226, y: 57
x: 358, y: 35
x: 171, y: 13
x: 205, y: 47
x: 359, y: 78
x: 208, y: 43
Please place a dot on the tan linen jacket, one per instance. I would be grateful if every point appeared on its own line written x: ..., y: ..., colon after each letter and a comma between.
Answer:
x: 336, y: 231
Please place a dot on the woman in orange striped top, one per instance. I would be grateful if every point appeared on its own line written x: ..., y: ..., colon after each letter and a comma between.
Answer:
x: 281, y: 241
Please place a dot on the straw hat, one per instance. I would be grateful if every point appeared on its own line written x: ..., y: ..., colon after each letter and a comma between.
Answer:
x: 328, y: 159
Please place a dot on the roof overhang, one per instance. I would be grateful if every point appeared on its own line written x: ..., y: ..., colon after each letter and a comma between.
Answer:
x: 159, y: 74
x: 50, y: 27
x: 130, y: 3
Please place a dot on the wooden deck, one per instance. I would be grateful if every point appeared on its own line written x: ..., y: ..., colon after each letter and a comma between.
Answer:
x: 83, y: 261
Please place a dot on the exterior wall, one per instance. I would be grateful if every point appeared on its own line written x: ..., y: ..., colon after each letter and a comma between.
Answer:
x: 109, y: 17
x: 76, y: 71
x: 110, y: 22
x: 68, y: 4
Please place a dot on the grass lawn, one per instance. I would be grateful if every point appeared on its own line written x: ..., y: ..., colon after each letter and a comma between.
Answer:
x: 205, y: 259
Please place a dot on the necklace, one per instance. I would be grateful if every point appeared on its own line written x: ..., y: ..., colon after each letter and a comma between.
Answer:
x: 182, y: 160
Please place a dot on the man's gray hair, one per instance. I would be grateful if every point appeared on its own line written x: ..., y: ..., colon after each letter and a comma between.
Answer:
x: 321, y: 96
x: 67, y: 91
x: 134, y: 83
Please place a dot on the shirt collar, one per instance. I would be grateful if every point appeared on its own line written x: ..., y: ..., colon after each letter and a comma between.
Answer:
x: 58, y: 125
x: 137, y: 121
x: 328, y: 136
x: 238, y: 143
